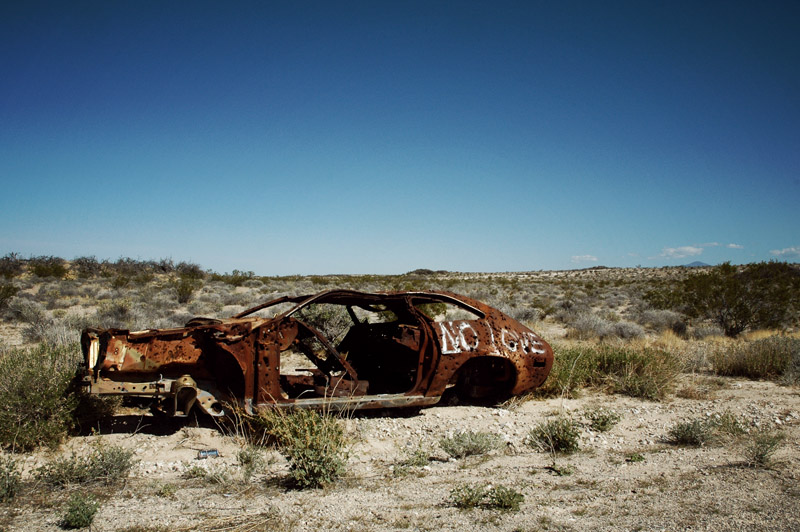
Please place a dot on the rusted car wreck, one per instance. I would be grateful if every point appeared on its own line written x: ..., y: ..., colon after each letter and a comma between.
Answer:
x: 335, y: 349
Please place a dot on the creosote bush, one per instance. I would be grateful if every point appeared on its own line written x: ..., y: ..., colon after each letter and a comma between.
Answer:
x: 313, y: 443
x: 34, y: 391
x: 469, y: 443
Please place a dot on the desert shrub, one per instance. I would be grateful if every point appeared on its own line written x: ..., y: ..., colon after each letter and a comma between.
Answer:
x: 236, y: 278
x: 190, y: 270
x: 313, y: 443
x: 7, y: 291
x: 10, y: 478
x: 114, y: 313
x: 469, y: 443
x: 105, y: 464
x: 556, y: 436
x: 412, y: 458
x: 632, y: 370
x: 10, y: 265
x: 602, y: 419
x: 504, y: 498
x: 184, y: 288
x: 34, y: 391
x: 693, y: 433
x: 467, y: 496
x: 765, y: 295
x: 761, y: 446
x: 587, y: 325
x: 662, y: 320
x: 250, y: 460
x: 218, y: 474
x: 47, y: 266
x: 87, y: 267
x: 769, y: 357
x: 80, y: 511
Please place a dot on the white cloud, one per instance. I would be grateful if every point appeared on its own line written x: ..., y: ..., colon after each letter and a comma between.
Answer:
x: 791, y: 252
x: 735, y: 246
x: 681, y: 252
x: 584, y: 258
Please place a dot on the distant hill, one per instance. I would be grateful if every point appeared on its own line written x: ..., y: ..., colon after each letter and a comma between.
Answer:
x: 696, y: 264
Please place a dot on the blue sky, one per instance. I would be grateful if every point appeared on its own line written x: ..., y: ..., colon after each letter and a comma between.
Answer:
x: 380, y: 137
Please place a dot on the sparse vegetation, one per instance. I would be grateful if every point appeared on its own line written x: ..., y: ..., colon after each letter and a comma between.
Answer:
x: 466, y: 496
x: 693, y: 433
x: 469, y: 443
x: 761, y: 446
x: 10, y: 478
x: 105, y: 464
x: 80, y: 511
x: 556, y: 436
x: 602, y: 419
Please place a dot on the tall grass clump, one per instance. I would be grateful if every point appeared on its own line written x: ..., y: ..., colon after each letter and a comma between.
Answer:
x: 37, y: 405
x: 636, y: 371
x: 313, y: 443
x: 768, y: 358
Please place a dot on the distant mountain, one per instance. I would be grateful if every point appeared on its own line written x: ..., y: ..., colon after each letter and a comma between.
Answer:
x: 696, y: 264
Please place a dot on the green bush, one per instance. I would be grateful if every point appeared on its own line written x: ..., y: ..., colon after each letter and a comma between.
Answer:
x: 35, y: 394
x: 313, y: 443
x: 469, y: 443
x: 557, y: 436
x: 10, y: 478
x: 80, y: 512
x: 106, y: 464
x: 768, y: 358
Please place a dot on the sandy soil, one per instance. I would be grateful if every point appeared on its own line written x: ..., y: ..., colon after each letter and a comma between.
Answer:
x: 602, y: 487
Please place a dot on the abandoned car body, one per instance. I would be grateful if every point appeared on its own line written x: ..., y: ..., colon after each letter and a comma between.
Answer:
x: 335, y: 349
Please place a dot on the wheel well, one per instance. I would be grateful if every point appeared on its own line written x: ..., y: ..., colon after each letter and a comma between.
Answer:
x: 485, y: 379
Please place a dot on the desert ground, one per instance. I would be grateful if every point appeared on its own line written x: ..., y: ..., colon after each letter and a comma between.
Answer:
x: 398, y: 476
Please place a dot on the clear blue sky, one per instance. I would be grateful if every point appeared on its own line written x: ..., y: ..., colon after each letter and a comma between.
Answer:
x: 379, y: 137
